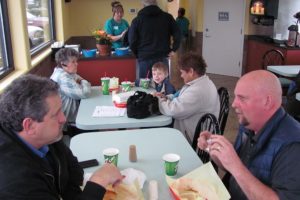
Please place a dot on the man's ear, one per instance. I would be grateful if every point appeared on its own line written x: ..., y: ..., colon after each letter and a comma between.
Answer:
x: 28, y: 125
x: 268, y: 102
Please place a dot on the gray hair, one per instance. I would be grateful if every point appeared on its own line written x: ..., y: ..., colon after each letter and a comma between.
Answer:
x: 25, y: 97
x: 149, y: 2
x: 63, y: 56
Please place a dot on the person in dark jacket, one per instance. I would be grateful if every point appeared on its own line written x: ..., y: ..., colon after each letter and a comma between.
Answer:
x: 150, y: 36
x: 34, y: 163
x: 264, y: 162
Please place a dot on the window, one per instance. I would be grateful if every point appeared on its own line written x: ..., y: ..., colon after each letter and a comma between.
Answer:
x: 40, y: 25
x: 6, y: 62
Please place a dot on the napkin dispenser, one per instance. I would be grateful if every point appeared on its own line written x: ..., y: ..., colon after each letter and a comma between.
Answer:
x: 74, y: 46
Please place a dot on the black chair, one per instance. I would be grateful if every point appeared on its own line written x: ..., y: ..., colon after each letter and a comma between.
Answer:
x: 224, y: 108
x: 272, y: 57
x: 275, y: 57
x: 207, y: 122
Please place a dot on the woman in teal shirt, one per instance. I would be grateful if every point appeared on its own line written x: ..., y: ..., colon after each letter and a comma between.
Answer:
x: 116, y: 27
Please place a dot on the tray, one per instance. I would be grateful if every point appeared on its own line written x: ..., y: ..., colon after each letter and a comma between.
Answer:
x: 120, y: 105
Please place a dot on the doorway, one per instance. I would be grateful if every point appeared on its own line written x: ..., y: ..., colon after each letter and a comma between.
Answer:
x: 223, y: 36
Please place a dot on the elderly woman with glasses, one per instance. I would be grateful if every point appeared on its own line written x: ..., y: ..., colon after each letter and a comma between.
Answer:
x: 116, y: 27
x: 72, y: 86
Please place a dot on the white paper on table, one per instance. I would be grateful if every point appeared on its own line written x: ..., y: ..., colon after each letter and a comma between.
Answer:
x: 109, y: 111
x: 133, y: 174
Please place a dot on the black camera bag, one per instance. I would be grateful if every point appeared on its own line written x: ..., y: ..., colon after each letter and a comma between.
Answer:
x: 141, y: 105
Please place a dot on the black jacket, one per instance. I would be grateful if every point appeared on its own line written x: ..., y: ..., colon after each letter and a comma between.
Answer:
x: 150, y: 34
x: 25, y: 176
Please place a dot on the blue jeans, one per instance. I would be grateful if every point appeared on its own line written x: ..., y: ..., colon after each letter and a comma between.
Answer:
x: 145, y: 66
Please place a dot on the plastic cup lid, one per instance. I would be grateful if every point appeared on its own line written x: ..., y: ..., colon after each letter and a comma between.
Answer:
x: 110, y: 151
x: 171, y: 157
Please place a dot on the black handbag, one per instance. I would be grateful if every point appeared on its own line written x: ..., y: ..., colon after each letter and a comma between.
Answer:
x: 141, y: 105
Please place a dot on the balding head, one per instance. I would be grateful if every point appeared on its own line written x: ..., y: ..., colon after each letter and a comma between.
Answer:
x: 257, y: 98
x: 263, y: 83
x: 149, y: 2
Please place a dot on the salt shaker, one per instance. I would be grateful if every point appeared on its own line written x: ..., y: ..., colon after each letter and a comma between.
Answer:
x: 132, y: 153
x: 153, y: 190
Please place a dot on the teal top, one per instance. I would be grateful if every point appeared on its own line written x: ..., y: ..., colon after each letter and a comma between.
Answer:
x: 183, y: 24
x: 114, y: 28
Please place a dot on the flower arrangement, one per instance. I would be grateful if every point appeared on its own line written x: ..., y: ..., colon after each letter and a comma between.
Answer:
x: 102, y: 37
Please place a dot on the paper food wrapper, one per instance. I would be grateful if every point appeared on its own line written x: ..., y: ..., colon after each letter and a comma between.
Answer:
x: 201, y: 183
x: 132, y: 175
x: 124, y: 192
x: 130, y: 188
x: 122, y: 97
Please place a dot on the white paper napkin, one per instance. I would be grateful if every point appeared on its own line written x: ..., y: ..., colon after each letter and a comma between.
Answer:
x: 108, y: 111
x: 132, y: 174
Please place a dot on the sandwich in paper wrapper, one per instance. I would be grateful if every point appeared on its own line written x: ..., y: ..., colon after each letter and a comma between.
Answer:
x: 129, y: 189
x: 202, y: 183
x: 124, y: 192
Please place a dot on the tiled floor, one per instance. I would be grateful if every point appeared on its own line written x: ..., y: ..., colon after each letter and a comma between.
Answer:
x: 220, y: 81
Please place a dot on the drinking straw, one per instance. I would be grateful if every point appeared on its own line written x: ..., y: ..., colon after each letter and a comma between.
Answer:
x: 147, y: 74
x: 104, y: 74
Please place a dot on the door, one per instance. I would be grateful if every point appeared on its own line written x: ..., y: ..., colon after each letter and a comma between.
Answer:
x: 223, y: 36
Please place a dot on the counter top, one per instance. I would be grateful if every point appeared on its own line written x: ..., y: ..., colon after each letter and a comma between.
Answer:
x: 269, y: 40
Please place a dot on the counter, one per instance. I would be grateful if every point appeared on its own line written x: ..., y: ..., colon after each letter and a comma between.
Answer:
x: 270, y: 41
x: 259, y: 45
x: 92, y: 69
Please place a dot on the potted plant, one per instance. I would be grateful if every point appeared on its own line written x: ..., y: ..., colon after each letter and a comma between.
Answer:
x: 103, y: 42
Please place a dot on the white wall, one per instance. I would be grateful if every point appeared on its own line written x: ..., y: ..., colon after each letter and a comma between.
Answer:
x: 286, y: 10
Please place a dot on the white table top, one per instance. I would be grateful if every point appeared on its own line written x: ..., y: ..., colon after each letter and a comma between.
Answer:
x: 85, y: 121
x: 151, y: 145
x: 285, y: 70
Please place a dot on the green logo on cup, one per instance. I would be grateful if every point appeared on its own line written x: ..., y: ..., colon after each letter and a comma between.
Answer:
x: 111, y: 155
x: 105, y: 85
x: 126, y: 86
x: 171, y: 163
x: 144, y: 83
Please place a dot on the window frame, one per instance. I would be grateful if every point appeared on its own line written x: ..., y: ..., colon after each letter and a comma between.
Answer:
x: 6, y: 45
x: 36, y: 50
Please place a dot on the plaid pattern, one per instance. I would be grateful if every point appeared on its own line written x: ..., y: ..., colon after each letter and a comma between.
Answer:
x: 70, y: 91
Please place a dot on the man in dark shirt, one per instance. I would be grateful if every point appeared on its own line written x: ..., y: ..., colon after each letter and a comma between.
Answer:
x: 264, y: 162
x: 34, y: 162
x: 150, y: 36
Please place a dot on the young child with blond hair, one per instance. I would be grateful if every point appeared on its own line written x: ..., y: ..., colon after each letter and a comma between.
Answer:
x: 160, y: 80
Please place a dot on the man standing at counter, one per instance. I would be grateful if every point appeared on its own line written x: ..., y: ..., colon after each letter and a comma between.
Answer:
x: 150, y: 35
